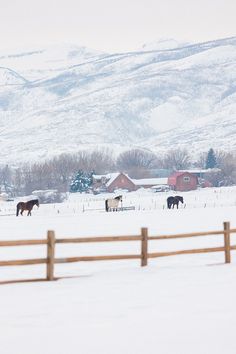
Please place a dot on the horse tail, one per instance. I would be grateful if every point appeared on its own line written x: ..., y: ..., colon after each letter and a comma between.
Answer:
x: 17, y: 209
x: 106, y: 205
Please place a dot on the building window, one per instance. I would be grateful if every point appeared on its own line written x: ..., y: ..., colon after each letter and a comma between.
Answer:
x: 186, y: 179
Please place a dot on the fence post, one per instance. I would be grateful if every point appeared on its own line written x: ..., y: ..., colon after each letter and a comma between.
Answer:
x: 144, y: 246
x: 50, y: 254
x: 227, y: 242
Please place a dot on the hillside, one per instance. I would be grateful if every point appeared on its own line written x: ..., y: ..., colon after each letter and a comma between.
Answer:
x: 62, y: 99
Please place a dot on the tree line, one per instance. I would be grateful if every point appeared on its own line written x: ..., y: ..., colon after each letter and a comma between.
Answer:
x: 58, y: 172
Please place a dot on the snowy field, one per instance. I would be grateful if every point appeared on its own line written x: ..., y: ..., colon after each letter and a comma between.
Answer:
x: 176, y: 305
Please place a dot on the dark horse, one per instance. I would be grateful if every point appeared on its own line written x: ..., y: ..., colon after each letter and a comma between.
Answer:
x: 172, y: 201
x: 112, y: 204
x: 26, y: 206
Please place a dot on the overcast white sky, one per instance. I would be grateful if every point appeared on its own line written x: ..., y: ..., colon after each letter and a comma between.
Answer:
x: 113, y: 25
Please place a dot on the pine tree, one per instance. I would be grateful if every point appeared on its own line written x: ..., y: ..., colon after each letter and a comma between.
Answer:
x: 82, y: 182
x: 211, y: 159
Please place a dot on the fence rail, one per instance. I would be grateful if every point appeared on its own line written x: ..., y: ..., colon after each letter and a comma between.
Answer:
x: 144, y: 255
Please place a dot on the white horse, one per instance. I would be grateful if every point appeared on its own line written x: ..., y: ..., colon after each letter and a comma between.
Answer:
x: 112, y: 204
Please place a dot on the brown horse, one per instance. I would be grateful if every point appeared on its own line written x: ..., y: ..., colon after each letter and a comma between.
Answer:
x: 26, y: 206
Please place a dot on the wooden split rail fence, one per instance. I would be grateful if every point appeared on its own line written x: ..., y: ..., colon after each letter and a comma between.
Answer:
x: 144, y: 255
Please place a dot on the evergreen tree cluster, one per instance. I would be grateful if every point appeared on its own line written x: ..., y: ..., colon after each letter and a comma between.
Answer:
x: 81, y: 182
x: 211, y: 159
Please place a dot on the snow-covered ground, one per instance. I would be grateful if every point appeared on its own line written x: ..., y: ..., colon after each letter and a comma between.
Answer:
x: 180, y: 304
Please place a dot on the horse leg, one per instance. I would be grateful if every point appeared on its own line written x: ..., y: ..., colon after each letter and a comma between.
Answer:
x: 21, y: 212
x: 29, y: 213
x: 106, y: 206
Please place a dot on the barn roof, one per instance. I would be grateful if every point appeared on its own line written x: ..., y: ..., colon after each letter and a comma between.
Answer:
x: 179, y: 173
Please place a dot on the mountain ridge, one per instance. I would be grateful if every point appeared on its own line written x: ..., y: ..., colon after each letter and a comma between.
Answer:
x: 160, y: 99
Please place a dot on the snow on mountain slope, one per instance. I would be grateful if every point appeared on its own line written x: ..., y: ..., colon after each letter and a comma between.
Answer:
x: 163, y: 44
x: 10, y: 77
x: 158, y: 99
x: 35, y: 63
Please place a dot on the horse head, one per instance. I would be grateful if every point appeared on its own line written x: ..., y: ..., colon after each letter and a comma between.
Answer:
x: 119, y: 197
x: 181, y: 199
x: 37, y: 202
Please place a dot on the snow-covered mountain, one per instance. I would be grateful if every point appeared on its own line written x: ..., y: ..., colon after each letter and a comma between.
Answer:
x: 63, y: 99
x: 164, y: 44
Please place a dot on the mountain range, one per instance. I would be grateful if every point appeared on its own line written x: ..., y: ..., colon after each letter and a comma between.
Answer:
x: 166, y: 95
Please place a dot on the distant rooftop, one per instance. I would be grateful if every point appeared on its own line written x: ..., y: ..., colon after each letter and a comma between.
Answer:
x: 195, y: 170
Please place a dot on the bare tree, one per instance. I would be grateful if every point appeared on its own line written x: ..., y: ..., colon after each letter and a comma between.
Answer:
x: 57, y: 172
x: 102, y: 161
x: 177, y: 160
x: 6, y: 179
x: 227, y: 165
x: 63, y: 168
x: 201, y: 161
x: 134, y: 160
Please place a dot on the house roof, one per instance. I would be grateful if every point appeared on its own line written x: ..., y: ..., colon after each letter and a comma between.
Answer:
x: 150, y: 181
x: 107, y: 176
x: 201, y: 170
x: 112, y: 178
x: 97, y: 177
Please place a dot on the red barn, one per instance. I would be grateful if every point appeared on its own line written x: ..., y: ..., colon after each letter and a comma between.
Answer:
x: 183, y: 181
